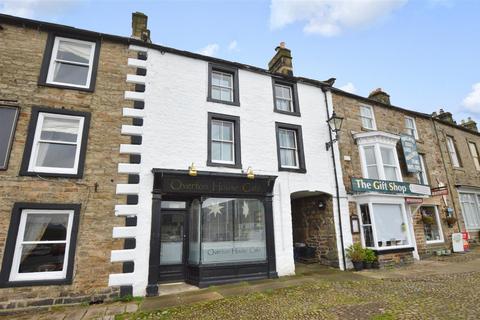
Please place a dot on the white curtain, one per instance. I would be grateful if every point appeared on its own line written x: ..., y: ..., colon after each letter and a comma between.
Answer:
x: 388, y: 223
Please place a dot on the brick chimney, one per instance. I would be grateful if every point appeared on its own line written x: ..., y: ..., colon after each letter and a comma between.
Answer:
x: 282, y: 61
x: 139, y: 27
x: 380, y: 96
x: 444, y: 116
x: 469, y: 124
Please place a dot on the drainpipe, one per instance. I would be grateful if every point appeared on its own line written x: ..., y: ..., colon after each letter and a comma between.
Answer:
x: 449, y: 185
x: 337, y: 191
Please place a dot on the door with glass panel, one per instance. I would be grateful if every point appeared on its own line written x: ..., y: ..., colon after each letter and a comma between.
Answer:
x: 172, y: 241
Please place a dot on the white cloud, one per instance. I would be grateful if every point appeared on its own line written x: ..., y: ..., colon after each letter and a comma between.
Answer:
x: 35, y: 8
x: 232, y: 45
x: 330, y: 17
x: 349, y: 87
x: 210, y: 50
x: 472, y: 101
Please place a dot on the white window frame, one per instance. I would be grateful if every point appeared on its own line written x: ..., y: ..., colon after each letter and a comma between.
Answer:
x: 383, y: 200
x: 374, y: 124
x: 379, y: 160
x: 474, y: 153
x: 32, y: 167
x: 439, y: 224
x: 290, y: 101
x: 476, y: 204
x: 288, y: 148
x: 414, y: 129
x: 232, y: 142
x: 48, y: 275
x: 452, y: 150
x: 223, y: 87
x: 54, y: 60
x: 423, y: 173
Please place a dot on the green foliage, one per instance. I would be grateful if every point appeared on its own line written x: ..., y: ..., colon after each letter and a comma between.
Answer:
x: 428, y: 220
x: 370, y: 255
x: 356, y: 252
x: 128, y: 298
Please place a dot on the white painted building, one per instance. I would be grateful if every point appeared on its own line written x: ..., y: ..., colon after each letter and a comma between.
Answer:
x: 186, y: 125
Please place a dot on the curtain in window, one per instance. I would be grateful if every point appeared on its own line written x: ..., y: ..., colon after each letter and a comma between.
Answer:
x: 388, y: 224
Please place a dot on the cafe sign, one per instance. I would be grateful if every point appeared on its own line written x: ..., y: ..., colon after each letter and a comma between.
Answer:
x: 409, y: 147
x: 386, y: 186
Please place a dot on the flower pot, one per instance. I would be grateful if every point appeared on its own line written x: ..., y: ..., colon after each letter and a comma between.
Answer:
x: 367, y: 265
x: 358, y: 265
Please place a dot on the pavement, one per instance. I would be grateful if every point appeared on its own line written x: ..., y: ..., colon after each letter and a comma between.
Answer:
x: 308, y: 289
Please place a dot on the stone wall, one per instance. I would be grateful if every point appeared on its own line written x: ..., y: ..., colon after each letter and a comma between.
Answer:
x: 20, y: 60
x: 315, y: 227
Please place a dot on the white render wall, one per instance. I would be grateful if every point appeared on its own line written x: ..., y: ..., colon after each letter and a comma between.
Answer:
x: 175, y: 135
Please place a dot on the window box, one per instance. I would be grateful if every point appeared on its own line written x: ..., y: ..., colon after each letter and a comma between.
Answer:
x: 56, y: 143
x: 223, y: 85
x: 290, y: 153
x: 224, y: 147
x: 40, y: 248
x: 70, y: 63
x: 285, y: 97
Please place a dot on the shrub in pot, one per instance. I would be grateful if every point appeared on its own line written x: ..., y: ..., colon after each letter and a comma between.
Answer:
x: 356, y: 253
x: 369, y: 258
x: 450, y: 221
x: 428, y: 220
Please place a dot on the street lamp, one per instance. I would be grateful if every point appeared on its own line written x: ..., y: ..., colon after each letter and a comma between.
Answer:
x: 335, y: 124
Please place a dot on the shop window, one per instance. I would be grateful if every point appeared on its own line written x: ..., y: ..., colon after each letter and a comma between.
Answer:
x: 432, y: 225
x: 41, y: 244
x: 411, y: 127
x: 8, y: 122
x: 223, y: 84
x: 384, y: 226
x: 233, y: 230
x: 290, y: 148
x: 56, y: 143
x: 452, y: 150
x: 285, y: 97
x: 368, y: 118
x: 70, y: 63
x: 474, y: 152
x: 380, y: 162
x: 224, y: 141
x: 422, y: 175
x: 471, y: 209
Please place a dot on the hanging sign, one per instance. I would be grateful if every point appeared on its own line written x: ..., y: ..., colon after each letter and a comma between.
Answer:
x: 409, y: 147
x: 440, y: 191
x: 385, y: 186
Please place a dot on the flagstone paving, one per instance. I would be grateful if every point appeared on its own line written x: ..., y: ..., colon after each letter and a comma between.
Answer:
x: 438, y: 288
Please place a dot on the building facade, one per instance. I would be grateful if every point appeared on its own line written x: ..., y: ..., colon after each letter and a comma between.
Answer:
x: 61, y: 93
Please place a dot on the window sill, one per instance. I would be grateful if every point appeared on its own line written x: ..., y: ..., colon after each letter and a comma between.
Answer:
x: 388, y: 250
x: 66, y: 86
x: 298, y: 170
x: 368, y: 129
x: 231, y: 103
x: 434, y: 242
x: 51, y: 174
x: 290, y: 113
x: 459, y: 169
x: 226, y: 165
x: 31, y: 283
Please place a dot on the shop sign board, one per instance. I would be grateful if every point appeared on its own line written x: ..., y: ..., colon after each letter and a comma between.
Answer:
x: 391, y: 187
x: 414, y: 200
x: 440, y: 191
x: 409, y: 147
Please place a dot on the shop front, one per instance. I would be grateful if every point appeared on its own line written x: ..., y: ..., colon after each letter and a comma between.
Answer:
x: 210, y: 228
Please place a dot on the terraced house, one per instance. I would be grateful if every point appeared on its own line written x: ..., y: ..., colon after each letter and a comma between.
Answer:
x: 61, y: 98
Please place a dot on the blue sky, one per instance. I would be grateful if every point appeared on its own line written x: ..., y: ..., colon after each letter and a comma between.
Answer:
x: 424, y: 53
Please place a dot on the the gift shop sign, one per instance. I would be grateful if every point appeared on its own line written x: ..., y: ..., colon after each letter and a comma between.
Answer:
x: 412, y: 159
x: 386, y: 186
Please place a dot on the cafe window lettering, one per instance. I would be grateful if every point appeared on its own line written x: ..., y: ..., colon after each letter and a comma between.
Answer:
x: 384, y: 226
x: 232, y: 230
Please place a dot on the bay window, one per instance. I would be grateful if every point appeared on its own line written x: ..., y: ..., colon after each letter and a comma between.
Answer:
x: 380, y: 162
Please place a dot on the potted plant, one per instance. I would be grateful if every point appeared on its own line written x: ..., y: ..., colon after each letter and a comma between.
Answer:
x: 369, y: 258
x: 429, y: 220
x: 450, y: 221
x: 357, y: 254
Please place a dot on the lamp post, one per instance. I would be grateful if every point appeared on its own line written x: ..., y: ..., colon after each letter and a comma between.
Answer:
x: 335, y: 124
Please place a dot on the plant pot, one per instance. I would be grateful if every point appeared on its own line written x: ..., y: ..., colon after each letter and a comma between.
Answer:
x: 376, y: 265
x: 358, y: 265
x: 367, y: 265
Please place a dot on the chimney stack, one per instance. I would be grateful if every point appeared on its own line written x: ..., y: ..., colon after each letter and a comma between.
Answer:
x: 380, y: 96
x: 444, y: 116
x: 139, y: 27
x: 282, y: 61
x: 469, y: 124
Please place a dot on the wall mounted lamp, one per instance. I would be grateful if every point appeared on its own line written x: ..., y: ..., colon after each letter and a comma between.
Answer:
x: 250, y: 174
x: 335, y: 124
x: 192, y: 170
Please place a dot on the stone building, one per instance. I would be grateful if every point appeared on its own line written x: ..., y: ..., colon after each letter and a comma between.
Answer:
x: 61, y: 98
x: 389, y: 185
